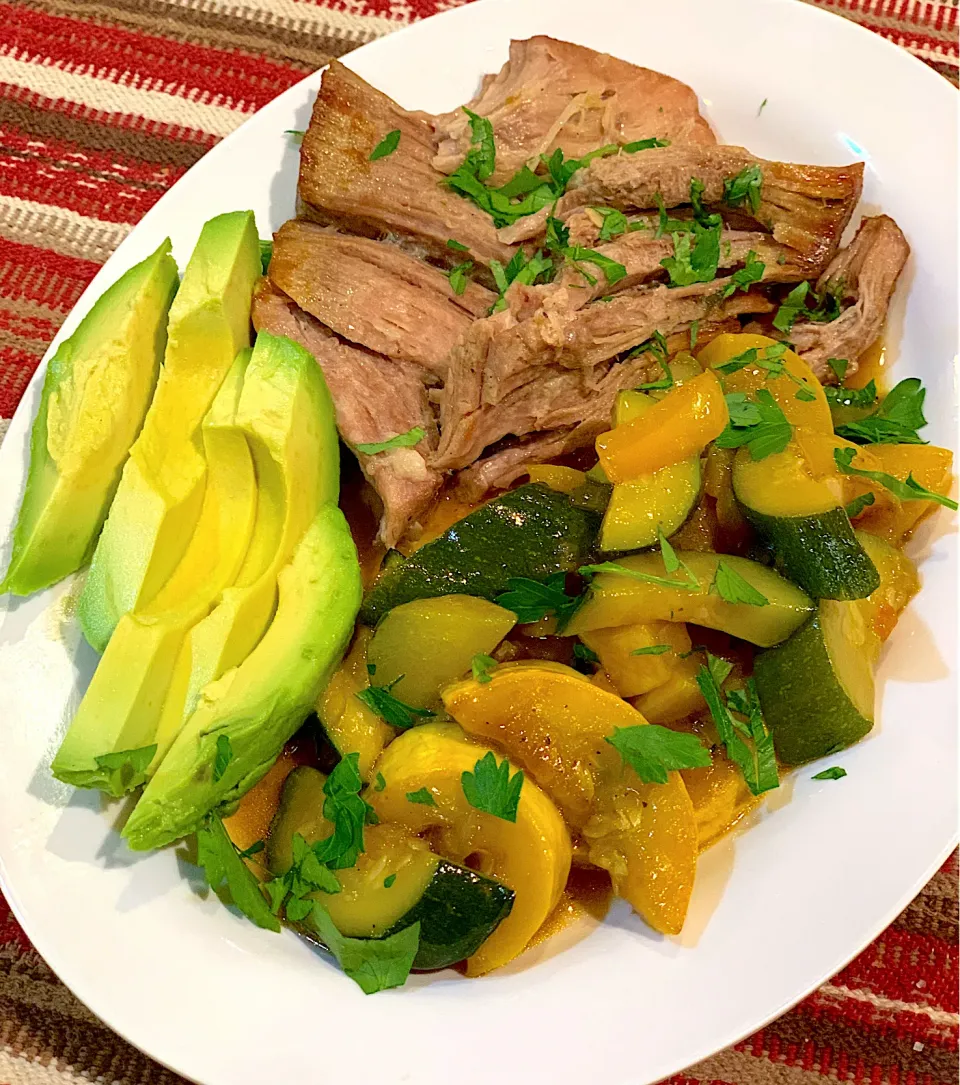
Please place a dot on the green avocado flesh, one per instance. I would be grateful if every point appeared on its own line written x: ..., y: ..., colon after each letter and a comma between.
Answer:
x: 95, y: 395
x: 260, y: 704
x: 530, y: 532
x: 160, y: 496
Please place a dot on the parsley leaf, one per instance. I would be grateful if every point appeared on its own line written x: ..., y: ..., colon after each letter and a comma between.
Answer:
x: 763, y: 105
x: 695, y: 256
x: 835, y: 773
x: 612, y: 270
x: 662, y: 384
x: 852, y: 397
x: 458, y: 276
x: 532, y: 600
x: 401, y: 440
x: 387, y: 145
x: 614, y: 223
x: 457, y: 245
x: 389, y: 880
x: 391, y: 709
x: 223, y: 758
x: 732, y: 588
x: 125, y: 769
x: 346, y: 811
x: 491, y: 789
x: 255, y: 848
x: 839, y: 366
x: 748, y: 744
x: 481, y: 666
x: 858, y: 504
x: 221, y: 862
x: 666, y: 224
x: 519, y: 269
x: 910, y: 490
x: 483, y: 151
x: 374, y: 964
x: 652, y: 751
x: 694, y: 332
x: 584, y: 654
x: 296, y: 134
x: 617, y: 569
x: 380, y: 782
x: 761, y: 426
x: 794, y: 306
x: 744, y: 187
x: 644, y: 145
x: 651, y: 650
x: 895, y: 421
x: 750, y: 273
x: 421, y: 797
x: 266, y: 255
x: 805, y: 395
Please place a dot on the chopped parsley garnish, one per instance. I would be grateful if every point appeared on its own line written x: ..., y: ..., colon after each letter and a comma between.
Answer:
x: 481, y: 666
x: 763, y: 105
x: 401, y: 440
x: 651, y: 650
x: 387, y: 145
x: 835, y: 773
x: 666, y: 224
x: 520, y: 269
x: 490, y: 787
x: 296, y: 134
x: 805, y: 395
x: 532, y: 600
x: 645, y: 145
x: 266, y: 255
x: 458, y: 276
x: 557, y: 239
x: 483, y: 152
x: 616, y: 569
x: 771, y: 360
x: 909, y: 490
x: 125, y: 769
x: 223, y: 758
x: 307, y: 874
x: 380, y: 783
x: 652, y: 751
x: 255, y: 848
x: 389, y: 880
x: 583, y: 654
x: 747, y: 741
x: 421, y: 797
x: 839, y: 367
x: 614, y: 223
x: 895, y: 421
x: 744, y: 188
x: 794, y: 306
x: 858, y: 504
x: 761, y: 426
x: 694, y: 332
x: 457, y: 245
x: 852, y: 397
x: 222, y: 863
x: 390, y: 708
x: 374, y: 964
x: 750, y: 273
x: 696, y: 255
x: 663, y: 384
x: 732, y: 588
x: 347, y: 812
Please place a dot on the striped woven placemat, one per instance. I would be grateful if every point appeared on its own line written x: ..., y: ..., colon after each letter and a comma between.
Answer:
x: 104, y: 104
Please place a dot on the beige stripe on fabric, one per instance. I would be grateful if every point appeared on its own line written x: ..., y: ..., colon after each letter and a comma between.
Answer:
x: 733, y: 1067
x: 938, y: 1017
x: 66, y: 232
x: 15, y: 1070
x: 344, y: 24
x: 110, y: 97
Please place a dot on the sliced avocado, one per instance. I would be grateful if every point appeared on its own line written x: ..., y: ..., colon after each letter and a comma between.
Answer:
x: 121, y: 709
x: 287, y: 415
x: 261, y: 703
x: 160, y: 495
x: 95, y: 393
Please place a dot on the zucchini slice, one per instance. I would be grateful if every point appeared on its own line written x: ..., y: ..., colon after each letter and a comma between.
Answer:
x: 804, y: 523
x: 817, y: 689
x: 396, y: 882
x: 663, y: 500
x: 618, y: 599
x: 531, y: 531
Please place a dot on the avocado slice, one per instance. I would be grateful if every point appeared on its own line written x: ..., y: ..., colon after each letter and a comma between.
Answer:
x: 77, y: 447
x: 287, y: 414
x: 261, y: 703
x: 160, y: 495
x: 120, y: 710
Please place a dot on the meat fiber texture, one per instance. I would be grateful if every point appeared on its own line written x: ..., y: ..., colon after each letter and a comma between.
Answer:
x: 361, y: 277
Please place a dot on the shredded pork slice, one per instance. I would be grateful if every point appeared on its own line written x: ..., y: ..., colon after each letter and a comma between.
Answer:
x: 374, y: 294
x: 807, y: 208
x: 375, y: 398
x: 544, y: 372
x: 399, y: 194
x: 865, y: 271
x: 553, y: 94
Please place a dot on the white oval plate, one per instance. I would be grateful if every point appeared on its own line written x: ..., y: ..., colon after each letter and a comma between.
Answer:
x: 812, y: 882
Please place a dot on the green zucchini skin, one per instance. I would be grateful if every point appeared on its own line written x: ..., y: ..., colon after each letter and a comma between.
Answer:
x: 805, y: 707
x: 820, y: 553
x: 458, y: 911
x: 532, y: 532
